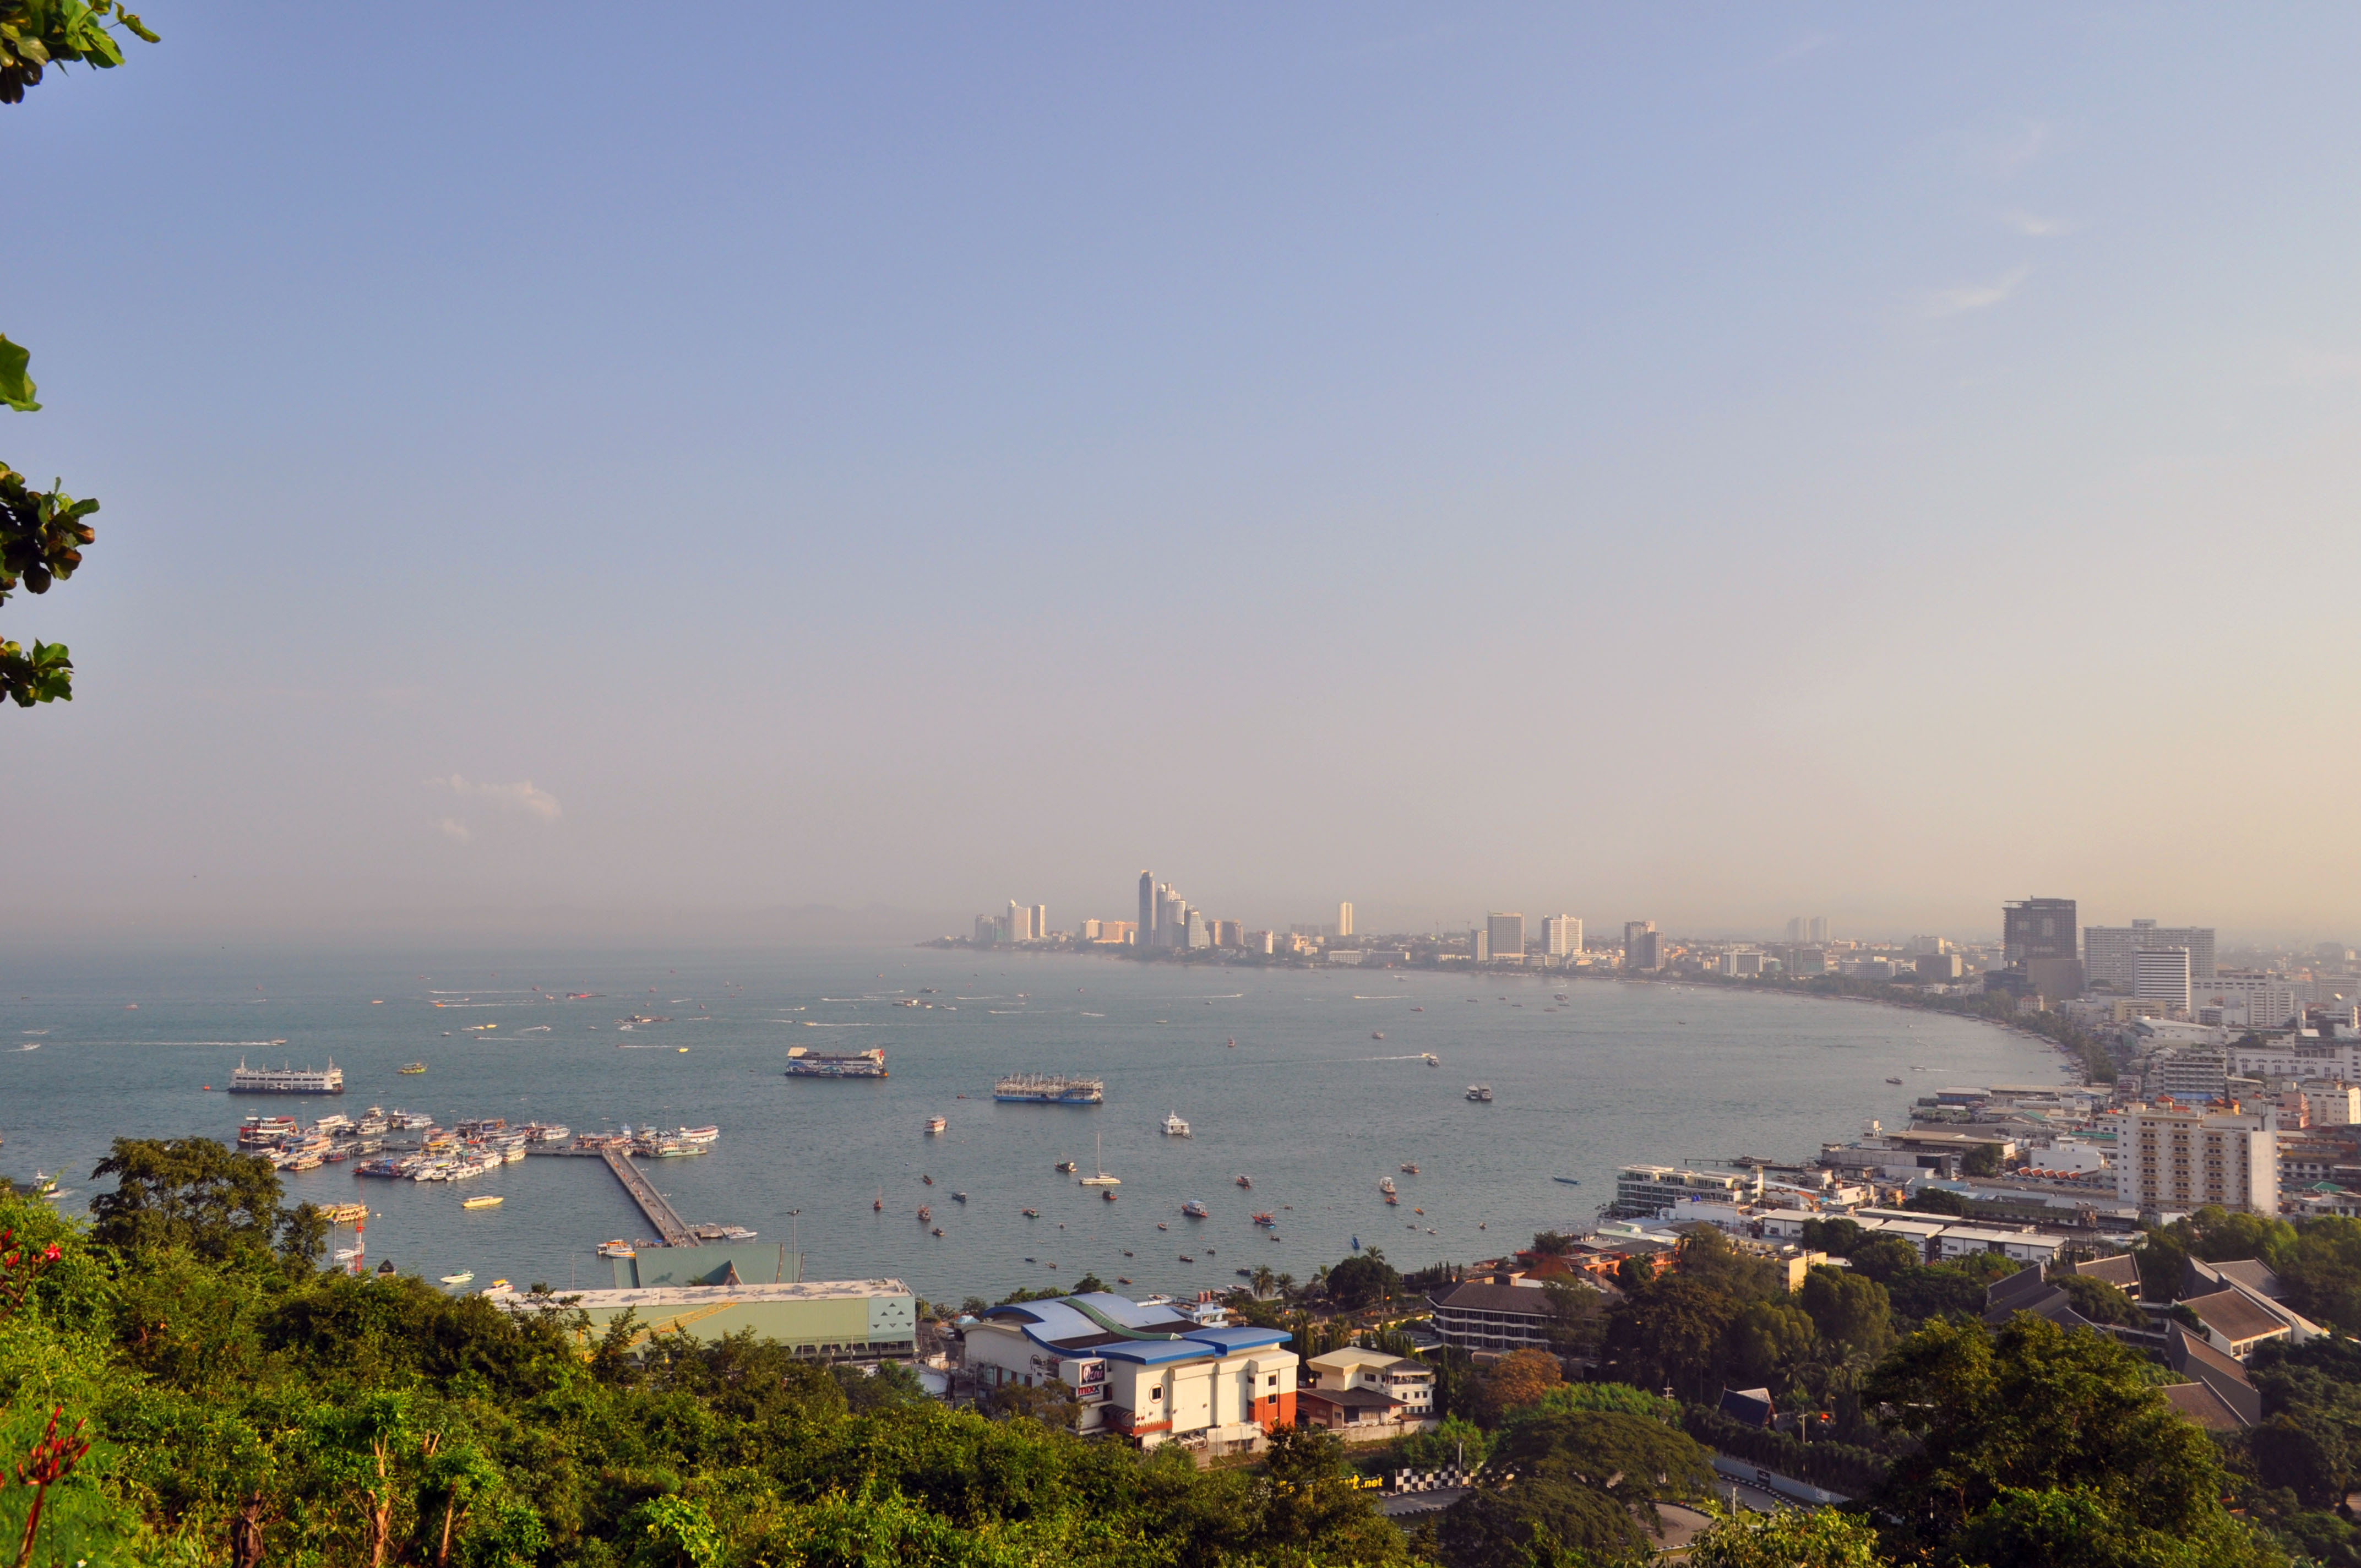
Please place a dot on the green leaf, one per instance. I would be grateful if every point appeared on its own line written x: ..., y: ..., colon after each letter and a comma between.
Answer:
x: 16, y: 387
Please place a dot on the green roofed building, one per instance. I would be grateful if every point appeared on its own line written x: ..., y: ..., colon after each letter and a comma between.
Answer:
x: 829, y: 1320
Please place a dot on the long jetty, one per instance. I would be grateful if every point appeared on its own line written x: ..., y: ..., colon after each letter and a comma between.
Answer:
x: 670, y: 1225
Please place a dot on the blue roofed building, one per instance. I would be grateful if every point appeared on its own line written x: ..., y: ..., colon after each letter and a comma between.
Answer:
x: 1152, y: 1371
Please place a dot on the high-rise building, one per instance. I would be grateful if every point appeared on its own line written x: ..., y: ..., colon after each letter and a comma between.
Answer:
x: 1228, y: 934
x: 1798, y: 928
x: 2170, y: 1159
x: 1344, y: 920
x: 1146, y: 910
x: 2161, y: 974
x: 1819, y: 932
x: 1021, y: 921
x: 2108, y: 950
x: 1480, y: 946
x: 1506, y: 934
x: 1561, y: 934
x: 1040, y: 922
x: 2037, y: 942
x: 1642, y: 946
x: 1196, y: 933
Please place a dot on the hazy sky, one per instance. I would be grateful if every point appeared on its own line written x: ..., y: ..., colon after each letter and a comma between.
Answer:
x: 1707, y: 465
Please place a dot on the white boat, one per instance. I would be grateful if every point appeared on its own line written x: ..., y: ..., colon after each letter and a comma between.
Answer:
x: 1174, y: 1127
x: 1386, y: 1185
x: 936, y: 1123
x: 1482, y: 1091
x: 618, y: 1248
x: 1102, y: 1179
x: 460, y: 1278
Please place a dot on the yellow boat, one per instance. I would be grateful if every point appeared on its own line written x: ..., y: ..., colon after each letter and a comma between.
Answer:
x: 415, y: 1067
x: 484, y: 1201
x: 344, y: 1213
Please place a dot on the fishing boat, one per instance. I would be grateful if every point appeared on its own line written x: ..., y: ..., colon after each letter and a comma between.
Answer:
x: 1123, y: 1279
x: 1569, y: 1180
x: 1174, y: 1127
x: 958, y: 1197
x: 1244, y: 1181
x: 1186, y: 1259
x: 416, y: 1066
x: 1377, y: 1034
x: 1893, y: 1080
x: 928, y: 1179
x: 939, y: 1230
x: 482, y: 1200
x: 1480, y: 1091
x: 1196, y: 1210
x: 1067, y: 1167
x: 1409, y: 1168
x: 1101, y: 1179
x: 1386, y: 1185
x: 935, y: 1125
x: 460, y: 1278
x: 1109, y: 1196
x: 1265, y: 1220
x: 925, y: 1213
x: 1031, y: 1214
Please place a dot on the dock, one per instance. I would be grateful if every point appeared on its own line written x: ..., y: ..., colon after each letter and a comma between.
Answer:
x: 675, y: 1230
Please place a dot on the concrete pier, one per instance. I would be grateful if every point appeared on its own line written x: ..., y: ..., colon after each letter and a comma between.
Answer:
x: 675, y: 1230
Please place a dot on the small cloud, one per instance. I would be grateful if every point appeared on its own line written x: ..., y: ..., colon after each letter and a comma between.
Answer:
x: 1976, y: 296
x: 455, y: 828
x: 2036, y: 228
x: 522, y: 795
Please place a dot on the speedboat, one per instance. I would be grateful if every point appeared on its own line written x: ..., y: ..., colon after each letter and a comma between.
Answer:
x: 1067, y: 1167
x: 1386, y: 1185
x: 1032, y: 1213
x: 618, y: 1248
x: 1377, y: 1034
x: 1174, y: 1127
x: 460, y: 1278
x: 958, y: 1197
x: 1409, y: 1168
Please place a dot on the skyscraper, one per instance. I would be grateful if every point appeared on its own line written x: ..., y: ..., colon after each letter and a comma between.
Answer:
x: 2108, y: 950
x: 1021, y: 921
x: 1146, y: 938
x: 1561, y: 934
x: 2037, y: 940
x: 1642, y: 948
x: 1478, y: 946
x: 1344, y: 920
x: 1508, y: 934
x: 1040, y: 922
x: 1819, y: 932
x: 2161, y: 974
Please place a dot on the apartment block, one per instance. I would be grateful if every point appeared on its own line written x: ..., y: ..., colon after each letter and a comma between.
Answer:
x: 2171, y: 1159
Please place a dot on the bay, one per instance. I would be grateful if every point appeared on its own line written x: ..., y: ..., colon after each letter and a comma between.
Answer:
x: 1306, y: 1103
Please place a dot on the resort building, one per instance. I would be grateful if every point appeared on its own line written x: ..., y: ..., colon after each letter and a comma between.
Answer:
x: 1643, y: 1191
x: 1500, y: 1312
x: 1364, y: 1389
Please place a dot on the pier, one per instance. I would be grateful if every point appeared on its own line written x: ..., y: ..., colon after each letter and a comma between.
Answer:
x: 675, y: 1230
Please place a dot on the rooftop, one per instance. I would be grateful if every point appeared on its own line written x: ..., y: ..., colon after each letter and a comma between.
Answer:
x: 2236, y: 1317
x: 696, y: 1295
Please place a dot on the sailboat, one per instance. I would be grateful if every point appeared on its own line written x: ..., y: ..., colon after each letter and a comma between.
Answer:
x: 1102, y: 1179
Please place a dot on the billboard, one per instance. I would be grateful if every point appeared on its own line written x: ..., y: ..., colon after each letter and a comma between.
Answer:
x: 1087, y: 1378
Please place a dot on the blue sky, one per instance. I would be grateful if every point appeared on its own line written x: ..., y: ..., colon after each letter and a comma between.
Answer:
x: 1646, y: 462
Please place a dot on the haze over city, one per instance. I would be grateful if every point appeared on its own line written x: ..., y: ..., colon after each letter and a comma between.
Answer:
x: 1875, y: 464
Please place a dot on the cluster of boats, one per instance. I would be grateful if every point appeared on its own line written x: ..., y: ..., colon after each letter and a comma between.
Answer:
x: 471, y: 1149
x: 288, y: 1144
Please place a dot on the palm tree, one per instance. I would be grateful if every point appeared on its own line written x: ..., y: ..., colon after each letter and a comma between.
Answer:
x: 1263, y: 1279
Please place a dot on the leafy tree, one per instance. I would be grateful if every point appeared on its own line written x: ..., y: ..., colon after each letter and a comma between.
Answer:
x: 1363, y: 1281
x: 2010, y: 1423
x: 2100, y: 1301
x: 1836, y: 1237
x: 1936, y: 1200
x: 187, y: 1192
x: 1821, y: 1538
x: 1981, y: 1160
x: 1519, y: 1378
x: 43, y: 531
x: 672, y: 1532
x: 1707, y: 1257
x: 1765, y: 1341
x: 1672, y: 1334
x: 2321, y: 1271
x: 1849, y: 1309
x: 1586, y: 1478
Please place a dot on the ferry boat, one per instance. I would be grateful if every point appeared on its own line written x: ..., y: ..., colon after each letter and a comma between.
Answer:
x: 1196, y: 1210
x: 699, y: 1136
x: 936, y: 1123
x: 1174, y: 1127
x: 546, y: 1132
x: 258, y: 1131
x: 804, y: 1062
x: 618, y: 1248
x: 1049, y: 1089
x: 344, y: 1213
x: 416, y: 1066
x: 1480, y: 1091
x: 246, y: 1080
x: 482, y: 1200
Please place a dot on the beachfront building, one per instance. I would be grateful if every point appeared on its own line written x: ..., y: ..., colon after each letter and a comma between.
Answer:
x: 1643, y: 1191
x: 1149, y: 1371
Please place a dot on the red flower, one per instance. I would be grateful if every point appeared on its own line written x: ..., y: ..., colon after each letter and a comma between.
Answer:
x: 55, y: 1253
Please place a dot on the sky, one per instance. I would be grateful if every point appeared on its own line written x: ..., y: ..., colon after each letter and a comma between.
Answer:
x: 1637, y: 462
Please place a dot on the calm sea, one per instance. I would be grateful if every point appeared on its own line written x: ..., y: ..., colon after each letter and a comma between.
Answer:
x: 1309, y: 1103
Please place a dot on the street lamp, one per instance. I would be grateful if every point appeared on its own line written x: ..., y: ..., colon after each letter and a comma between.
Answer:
x: 793, y: 1246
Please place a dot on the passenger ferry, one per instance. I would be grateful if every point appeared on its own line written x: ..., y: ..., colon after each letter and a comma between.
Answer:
x: 806, y: 1063
x: 1049, y: 1089
x: 246, y: 1080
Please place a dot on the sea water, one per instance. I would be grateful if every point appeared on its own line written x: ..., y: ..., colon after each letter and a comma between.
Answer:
x: 1307, y: 1104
